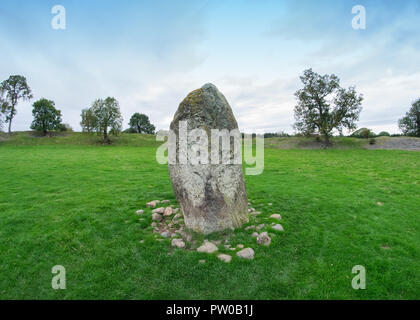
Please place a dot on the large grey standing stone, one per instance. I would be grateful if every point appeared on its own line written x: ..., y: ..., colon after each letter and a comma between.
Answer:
x: 212, y: 196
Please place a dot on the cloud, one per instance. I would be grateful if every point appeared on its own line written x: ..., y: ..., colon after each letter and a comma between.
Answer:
x: 151, y: 55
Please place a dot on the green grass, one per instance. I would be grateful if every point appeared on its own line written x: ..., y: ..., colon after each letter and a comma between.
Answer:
x: 29, y: 138
x: 74, y: 205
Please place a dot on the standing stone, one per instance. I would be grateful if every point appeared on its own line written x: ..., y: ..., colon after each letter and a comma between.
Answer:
x: 212, y: 196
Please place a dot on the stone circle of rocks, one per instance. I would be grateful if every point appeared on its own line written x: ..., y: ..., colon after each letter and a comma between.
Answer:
x: 167, y: 222
x: 212, y: 197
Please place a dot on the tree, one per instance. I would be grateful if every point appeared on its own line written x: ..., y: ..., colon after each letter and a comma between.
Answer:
x: 108, y: 115
x: 363, y: 133
x: 46, y: 116
x: 140, y: 123
x: 89, y: 120
x: 11, y: 91
x: 410, y: 124
x: 65, y: 127
x: 384, y: 134
x: 324, y: 106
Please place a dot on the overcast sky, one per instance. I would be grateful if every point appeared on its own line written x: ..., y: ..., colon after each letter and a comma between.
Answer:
x: 151, y: 54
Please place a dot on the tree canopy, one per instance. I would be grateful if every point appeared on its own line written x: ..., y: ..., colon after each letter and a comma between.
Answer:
x: 108, y: 116
x: 89, y: 121
x: 324, y: 106
x: 363, y: 133
x: 140, y: 123
x: 12, y: 91
x: 410, y: 123
x: 46, y: 116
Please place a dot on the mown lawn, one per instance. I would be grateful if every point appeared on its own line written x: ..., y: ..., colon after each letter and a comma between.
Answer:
x: 75, y: 206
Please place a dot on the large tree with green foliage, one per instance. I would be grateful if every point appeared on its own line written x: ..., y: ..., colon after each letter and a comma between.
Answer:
x: 89, y: 120
x: 108, y: 115
x: 324, y: 106
x: 46, y: 116
x: 140, y: 123
x: 410, y: 123
x: 12, y: 91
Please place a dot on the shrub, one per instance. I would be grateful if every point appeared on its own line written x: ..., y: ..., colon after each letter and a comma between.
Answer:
x: 46, y: 116
x: 363, y: 133
x: 276, y: 134
x: 65, y: 127
x: 372, y: 141
x: 129, y: 130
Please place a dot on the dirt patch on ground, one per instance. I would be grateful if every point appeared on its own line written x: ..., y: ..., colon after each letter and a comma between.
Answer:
x: 398, y: 143
x: 390, y: 143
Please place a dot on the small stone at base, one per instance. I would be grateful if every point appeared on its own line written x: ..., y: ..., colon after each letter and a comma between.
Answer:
x: 225, y: 257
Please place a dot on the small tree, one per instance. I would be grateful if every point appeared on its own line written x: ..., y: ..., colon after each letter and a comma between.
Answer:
x: 363, y: 133
x: 140, y: 123
x: 65, y: 127
x: 89, y: 120
x: 410, y: 124
x: 366, y: 133
x: 46, y: 116
x: 324, y: 106
x: 108, y: 115
x: 12, y: 91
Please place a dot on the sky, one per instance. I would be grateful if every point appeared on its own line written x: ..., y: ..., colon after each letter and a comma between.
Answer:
x: 150, y: 54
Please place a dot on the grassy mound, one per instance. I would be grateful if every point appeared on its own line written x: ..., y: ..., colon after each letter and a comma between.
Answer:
x: 29, y: 138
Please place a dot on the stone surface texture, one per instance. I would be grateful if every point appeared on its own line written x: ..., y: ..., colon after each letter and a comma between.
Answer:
x: 212, y: 196
x: 247, y: 253
x: 207, y: 247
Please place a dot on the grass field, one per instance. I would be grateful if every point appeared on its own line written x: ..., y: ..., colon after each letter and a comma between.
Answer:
x: 73, y: 203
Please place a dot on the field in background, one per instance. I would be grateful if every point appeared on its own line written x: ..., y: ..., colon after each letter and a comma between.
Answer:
x: 71, y: 201
x: 29, y: 138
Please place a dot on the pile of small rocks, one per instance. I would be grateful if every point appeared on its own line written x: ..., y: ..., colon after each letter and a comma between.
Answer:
x: 168, y: 222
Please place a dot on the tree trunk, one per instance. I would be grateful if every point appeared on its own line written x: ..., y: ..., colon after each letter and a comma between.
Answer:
x: 106, y: 140
x: 327, y: 140
x: 11, y: 118
x: 10, y: 126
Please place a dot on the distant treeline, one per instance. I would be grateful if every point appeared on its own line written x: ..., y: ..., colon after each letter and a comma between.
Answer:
x: 360, y: 133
